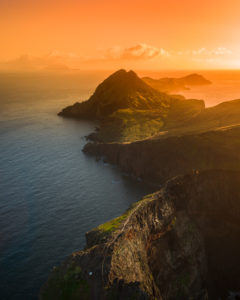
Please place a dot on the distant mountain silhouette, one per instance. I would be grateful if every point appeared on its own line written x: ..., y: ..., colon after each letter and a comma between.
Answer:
x: 169, y: 85
x: 194, y: 79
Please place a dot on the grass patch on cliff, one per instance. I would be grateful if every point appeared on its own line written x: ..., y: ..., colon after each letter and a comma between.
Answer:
x: 114, y: 224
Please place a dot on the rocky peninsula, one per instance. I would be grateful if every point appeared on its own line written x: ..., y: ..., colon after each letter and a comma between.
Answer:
x: 182, y: 241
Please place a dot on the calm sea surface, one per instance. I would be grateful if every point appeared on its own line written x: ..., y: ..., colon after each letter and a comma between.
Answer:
x: 50, y: 192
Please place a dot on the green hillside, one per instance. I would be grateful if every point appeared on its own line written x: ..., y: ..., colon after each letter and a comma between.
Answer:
x: 129, y: 109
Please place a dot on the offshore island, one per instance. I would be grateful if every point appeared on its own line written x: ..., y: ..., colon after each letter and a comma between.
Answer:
x: 181, y: 242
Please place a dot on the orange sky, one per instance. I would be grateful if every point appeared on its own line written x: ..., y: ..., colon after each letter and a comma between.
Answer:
x: 121, y: 33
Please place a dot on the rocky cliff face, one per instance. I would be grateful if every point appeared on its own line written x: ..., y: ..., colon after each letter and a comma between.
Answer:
x: 179, y: 243
x: 158, y: 160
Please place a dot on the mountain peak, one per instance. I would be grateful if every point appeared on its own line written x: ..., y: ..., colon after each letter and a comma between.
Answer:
x: 121, y: 90
x: 122, y: 74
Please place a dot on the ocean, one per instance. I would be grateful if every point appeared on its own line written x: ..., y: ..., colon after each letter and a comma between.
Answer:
x: 50, y: 192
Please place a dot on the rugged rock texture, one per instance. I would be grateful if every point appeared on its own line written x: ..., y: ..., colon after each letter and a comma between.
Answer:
x: 157, y: 160
x: 179, y: 243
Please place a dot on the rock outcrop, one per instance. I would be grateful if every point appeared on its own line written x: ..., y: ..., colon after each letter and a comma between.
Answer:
x: 179, y: 243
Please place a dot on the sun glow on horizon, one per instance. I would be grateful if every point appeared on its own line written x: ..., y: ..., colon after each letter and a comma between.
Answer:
x: 104, y: 34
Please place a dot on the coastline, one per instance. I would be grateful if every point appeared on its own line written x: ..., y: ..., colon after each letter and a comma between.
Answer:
x: 194, y: 158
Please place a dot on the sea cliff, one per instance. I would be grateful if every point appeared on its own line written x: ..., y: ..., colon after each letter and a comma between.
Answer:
x: 157, y: 160
x: 174, y: 244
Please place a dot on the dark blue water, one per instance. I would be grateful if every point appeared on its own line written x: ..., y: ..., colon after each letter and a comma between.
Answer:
x: 50, y: 192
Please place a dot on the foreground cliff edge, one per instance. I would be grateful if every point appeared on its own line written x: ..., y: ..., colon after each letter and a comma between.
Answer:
x: 181, y: 242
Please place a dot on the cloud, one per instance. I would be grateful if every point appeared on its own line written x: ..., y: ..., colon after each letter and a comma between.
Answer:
x: 137, y: 56
x: 54, y: 60
x: 205, y: 52
x: 138, y: 52
x: 146, y: 52
x: 218, y: 57
x: 209, y: 58
x: 214, y: 52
